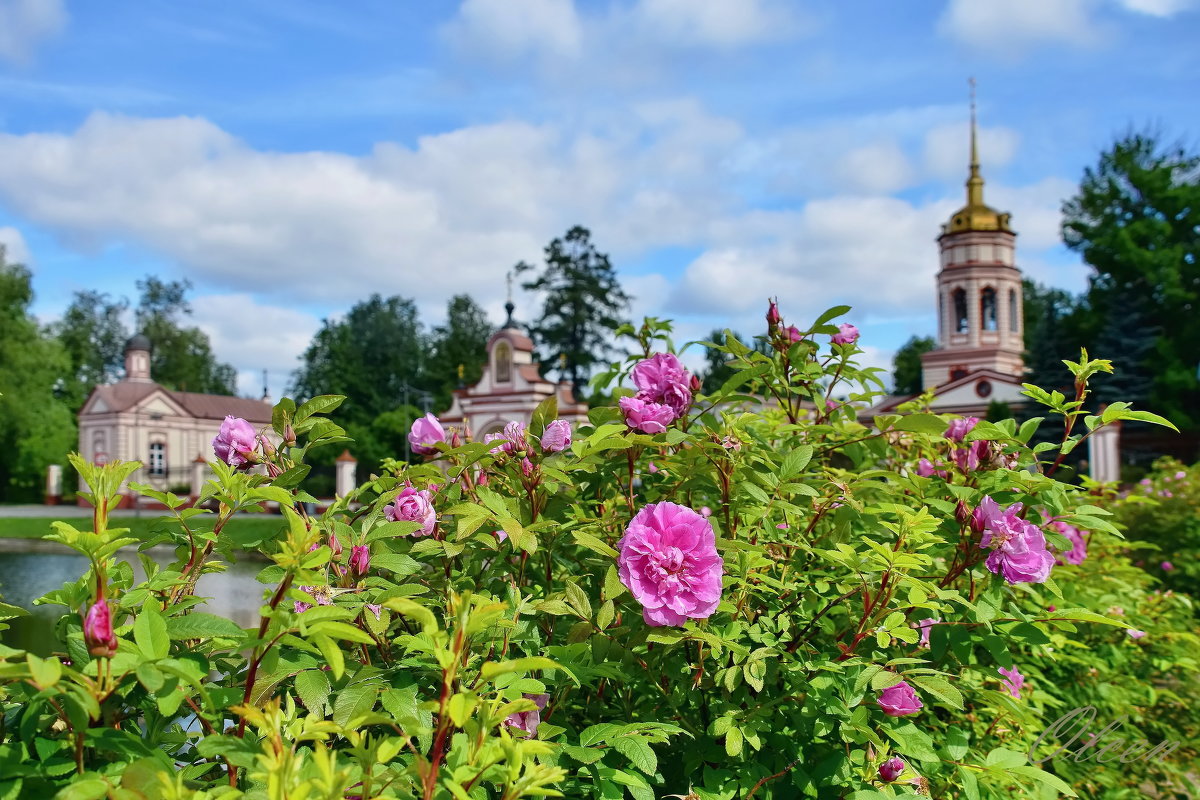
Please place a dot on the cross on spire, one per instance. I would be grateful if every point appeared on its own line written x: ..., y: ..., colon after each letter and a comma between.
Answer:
x: 508, y: 306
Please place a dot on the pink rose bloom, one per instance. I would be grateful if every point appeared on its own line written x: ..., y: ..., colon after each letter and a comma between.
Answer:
x: 1052, y: 609
x: 557, y: 436
x: 705, y: 511
x: 320, y: 593
x: 1180, y: 475
x: 668, y: 560
x: 652, y: 467
x: 412, y: 505
x: 529, y: 721
x: 783, y: 526
x: 98, y: 631
x: 511, y: 440
x: 1135, y: 634
x: 974, y: 455
x: 1167, y: 566
x: 891, y: 769
x: 925, y: 626
x: 662, y: 379
x: 847, y: 334
x: 1018, y: 547
x: 425, y: 434
x: 960, y: 428
x: 1078, y: 552
x: 1013, y: 681
x: 500, y: 535
x: 235, y: 442
x: 645, y: 416
x: 900, y: 700
x: 793, y: 333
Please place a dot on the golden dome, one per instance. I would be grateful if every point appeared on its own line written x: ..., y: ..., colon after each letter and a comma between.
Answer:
x: 976, y: 215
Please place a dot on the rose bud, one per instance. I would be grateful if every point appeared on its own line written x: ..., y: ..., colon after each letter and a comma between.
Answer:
x: 98, y: 632
x: 773, y: 317
x: 289, y: 435
x: 360, y: 560
x: 963, y: 513
x: 891, y: 769
x: 335, y: 545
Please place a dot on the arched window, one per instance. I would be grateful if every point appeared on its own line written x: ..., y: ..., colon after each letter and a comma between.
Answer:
x: 987, y: 309
x: 503, y: 356
x: 158, y: 458
x: 960, y: 310
x: 1014, y: 321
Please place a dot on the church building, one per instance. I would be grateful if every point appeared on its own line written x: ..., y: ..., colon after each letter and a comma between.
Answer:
x: 136, y: 419
x: 978, y: 358
x: 510, y: 388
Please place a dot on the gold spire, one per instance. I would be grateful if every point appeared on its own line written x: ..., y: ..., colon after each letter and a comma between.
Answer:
x: 975, y: 215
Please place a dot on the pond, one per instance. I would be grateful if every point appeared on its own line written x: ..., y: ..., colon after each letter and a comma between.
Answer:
x: 25, y: 576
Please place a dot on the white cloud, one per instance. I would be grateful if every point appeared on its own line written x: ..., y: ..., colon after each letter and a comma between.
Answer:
x: 254, y: 336
x: 879, y: 167
x: 947, y: 149
x: 1012, y: 26
x: 1157, y: 8
x: 714, y: 23
x: 25, y: 23
x: 515, y: 29
x: 15, y: 249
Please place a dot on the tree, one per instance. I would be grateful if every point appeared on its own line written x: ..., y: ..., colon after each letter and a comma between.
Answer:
x: 718, y: 369
x: 182, y: 358
x: 906, y: 365
x: 460, y: 342
x: 93, y: 336
x: 583, y: 304
x: 1136, y: 221
x: 38, y: 428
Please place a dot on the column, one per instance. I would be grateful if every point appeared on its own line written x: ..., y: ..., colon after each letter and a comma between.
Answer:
x: 1104, y: 456
x: 199, y: 475
x: 346, y: 475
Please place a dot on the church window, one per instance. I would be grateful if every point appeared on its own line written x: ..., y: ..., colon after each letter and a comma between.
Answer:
x: 960, y: 310
x: 1014, y: 321
x: 158, y: 458
x: 503, y: 355
x: 987, y: 309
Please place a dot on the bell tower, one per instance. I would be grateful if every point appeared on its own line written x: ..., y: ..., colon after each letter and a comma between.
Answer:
x: 978, y: 289
x: 137, y: 359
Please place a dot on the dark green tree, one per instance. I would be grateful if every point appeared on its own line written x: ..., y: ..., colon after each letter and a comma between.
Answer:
x: 906, y: 365
x: 583, y: 304
x: 461, y: 341
x: 182, y: 358
x: 1136, y: 222
x: 38, y: 426
x: 93, y: 335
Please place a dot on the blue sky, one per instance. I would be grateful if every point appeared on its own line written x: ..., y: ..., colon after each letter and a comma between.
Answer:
x: 292, y: 157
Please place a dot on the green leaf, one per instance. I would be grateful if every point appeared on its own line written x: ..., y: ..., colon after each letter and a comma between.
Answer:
x: 922, y: 423
x: 1004, y: 758
x: 321, y: 404
x: 150, y: 633
x: 354, y: 701
x: 545, y: 413
x: 333, y: 655
x: 638, y: 751
x: 939, y: 687
x: 493, y: 668
x: 199, y: 625
x: 313, y: 687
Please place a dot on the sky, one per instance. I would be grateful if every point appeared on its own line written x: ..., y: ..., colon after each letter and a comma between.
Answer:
x: 290, y: 158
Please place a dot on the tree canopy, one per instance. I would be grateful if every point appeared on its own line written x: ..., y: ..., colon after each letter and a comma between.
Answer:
x: 906, y: 364
x: 583, y: 303
x: 182, y: 358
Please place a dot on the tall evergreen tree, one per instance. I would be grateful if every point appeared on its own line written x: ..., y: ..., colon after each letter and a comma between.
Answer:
x: 583, y: 304
x: 1136, y: 221
x: 460, y: 342
x: 906, y: 365
x: 182, y: 358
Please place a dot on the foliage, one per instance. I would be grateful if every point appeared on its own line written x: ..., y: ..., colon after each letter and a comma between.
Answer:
x: 182, y: 357
x: 719, y: 367
x: 38, y: 427
x: 583, y: 303
x: 93, y: 335
x: 405, y: 677
x: 1160, y: 518
x: 458, y: 344
x: 1136, y: 221
x: 906, y: 365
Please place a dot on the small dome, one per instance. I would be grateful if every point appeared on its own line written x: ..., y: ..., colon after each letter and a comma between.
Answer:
x: 137, y: 342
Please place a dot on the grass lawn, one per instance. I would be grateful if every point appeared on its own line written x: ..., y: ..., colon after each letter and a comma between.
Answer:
x: 141, y: 527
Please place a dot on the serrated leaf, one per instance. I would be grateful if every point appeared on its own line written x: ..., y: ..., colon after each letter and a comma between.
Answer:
x: 150, y: 633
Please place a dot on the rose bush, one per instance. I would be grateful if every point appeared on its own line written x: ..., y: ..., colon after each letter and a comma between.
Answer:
x: 789, y: 605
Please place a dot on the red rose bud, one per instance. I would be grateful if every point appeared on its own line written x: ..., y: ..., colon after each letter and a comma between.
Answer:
x: 773, y: 317
x: 526, y: 467
x: 455, y: 439
x: 98, y: 632
x: 695, y: 384
x: 360, y: 560
x: 963, y: 513
x: 289, y: 436
x: 335, y: 545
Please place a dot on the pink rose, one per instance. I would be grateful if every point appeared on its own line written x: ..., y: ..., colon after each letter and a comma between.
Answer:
x: 98, y: 633
x: 412, y: 505
x: 773, y: 316
x: 425, y: 434
x: 705, y: 511
x: 557, y: 436
x: 528, y: 721
x: 1013, y: 681
x: 793, y: 334
x: 900, y: 700
x: 360, y: 560
x: 847, y: 334
x: 1135, y: 634
x: 645, y: 416
x: 668, y: 560
x: 1167, y: 566
x: 1078, y: 551
x: 960, y: 428
x: 1018, y: 547
x: 662, y: 379
x: 235, y: 443
x: 891, y: 769
x: 925, y: 626
x: 511, y: 440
